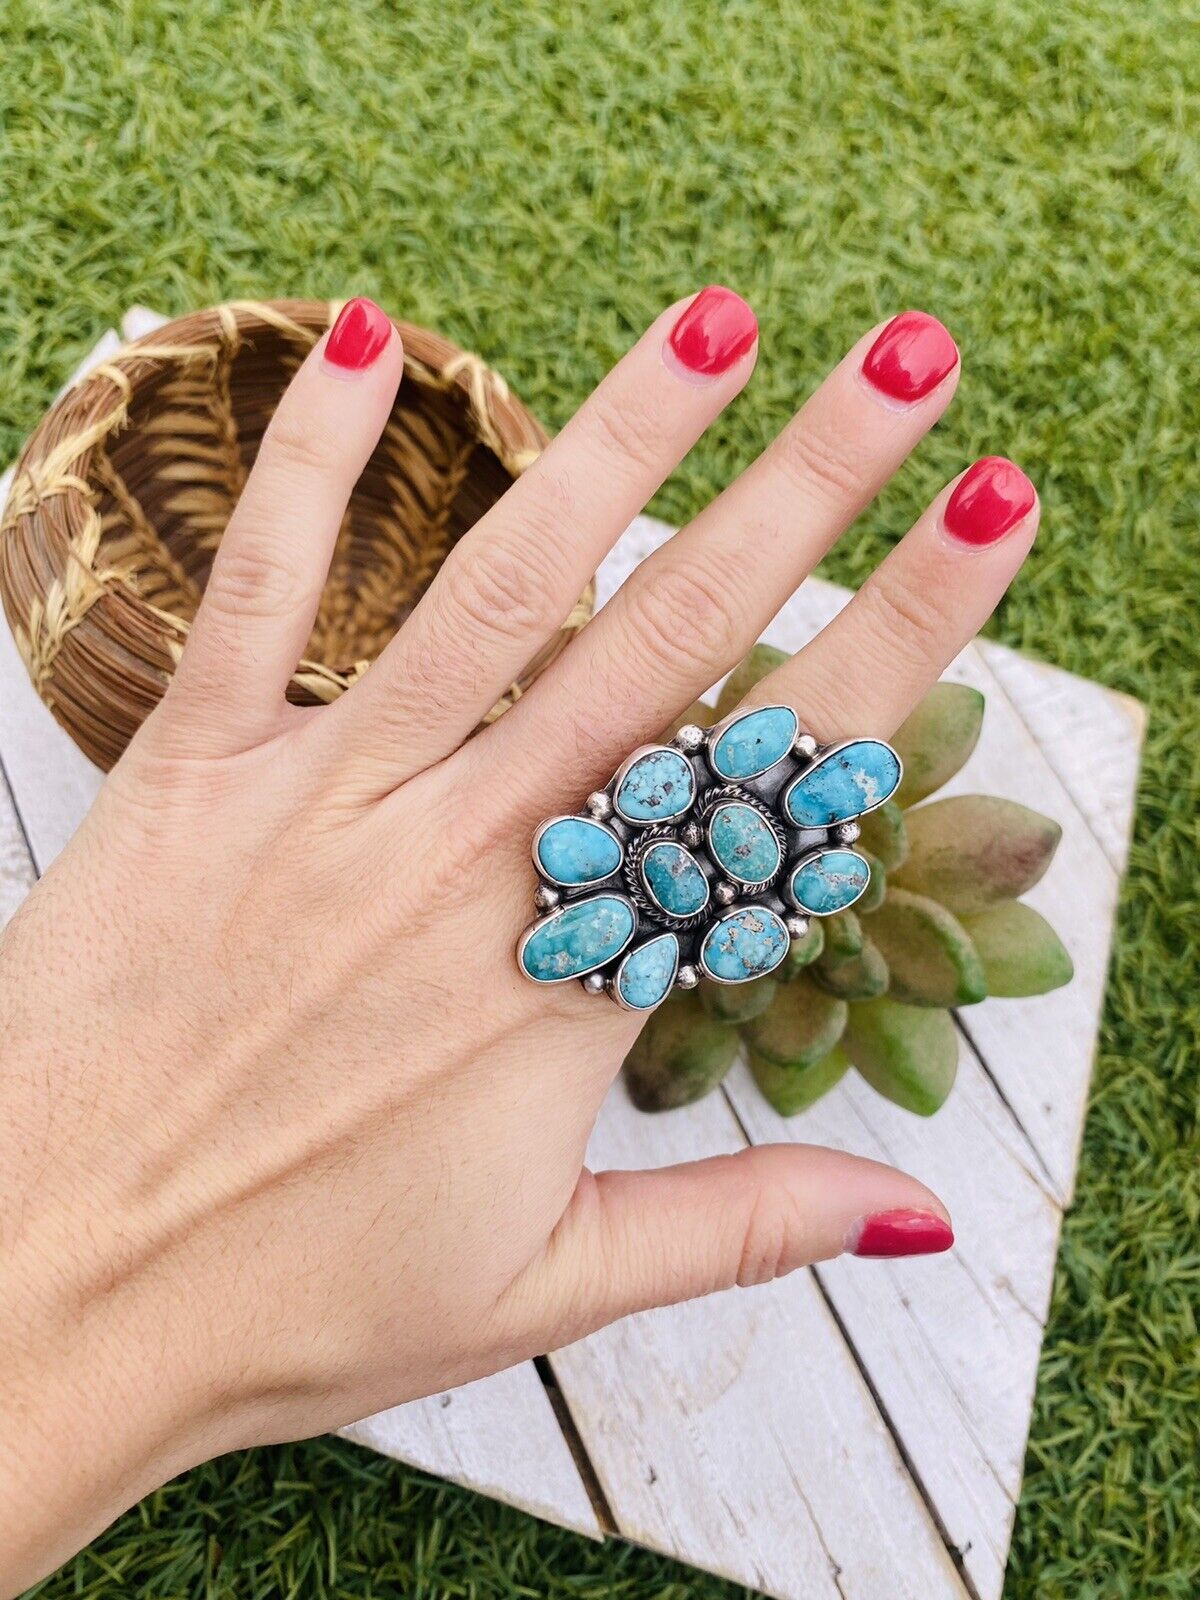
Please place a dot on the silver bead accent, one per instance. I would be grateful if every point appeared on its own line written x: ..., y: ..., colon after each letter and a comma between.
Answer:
x: 797, y: 926
x: 847, y: 832
x: 687, y: 977
x: 546, y: 898
x: 692, y: 835
x: 725, y: 894
x: 805, y: 746
x: 599, y: 805
x: 689, y: 738
x: 594, y: 983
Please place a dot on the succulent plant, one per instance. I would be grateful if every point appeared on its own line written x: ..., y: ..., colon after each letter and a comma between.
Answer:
x: 940, y: 925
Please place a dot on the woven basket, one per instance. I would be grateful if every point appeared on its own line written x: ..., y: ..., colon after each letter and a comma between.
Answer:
x: 123, y: 492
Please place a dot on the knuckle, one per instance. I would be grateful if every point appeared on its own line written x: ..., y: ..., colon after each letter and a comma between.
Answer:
x: 825, y: 465
x: 295, y: 444
x: 905, y: 619
x: 627, y: 429
x: 681, y: 619
x: 503, y: 592
x: 249, y: 583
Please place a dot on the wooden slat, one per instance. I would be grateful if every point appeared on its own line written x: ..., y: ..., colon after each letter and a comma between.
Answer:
x: 17, y: 876
x: 736, y: 1432
x: 950, y: 1346
x: 500, y: 1435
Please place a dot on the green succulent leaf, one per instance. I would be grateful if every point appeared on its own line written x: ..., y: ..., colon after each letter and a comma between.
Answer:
x: 908, y: 1054
x: 937, y: 738
x: 790, y: 1089
x: 802, y: 952
x: 863, y: 977
x: 736, y: 1002
x: 873, y: 895
x: 928, y: 952
x: 972, y: 851
x: 680, y: 1055
x: 843, y: 938
x: 802, y: 1025
x: 763, y: 659
x: 1020, y: 952
x: 884, y: 835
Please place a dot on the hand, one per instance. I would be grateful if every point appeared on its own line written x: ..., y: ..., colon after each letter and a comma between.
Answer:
x: 285, y: 1137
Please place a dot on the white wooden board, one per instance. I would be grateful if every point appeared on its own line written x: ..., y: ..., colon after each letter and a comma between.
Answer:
x: 854, y: 1432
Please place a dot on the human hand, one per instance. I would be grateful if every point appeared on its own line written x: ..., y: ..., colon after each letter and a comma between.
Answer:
x: 285, y: 1136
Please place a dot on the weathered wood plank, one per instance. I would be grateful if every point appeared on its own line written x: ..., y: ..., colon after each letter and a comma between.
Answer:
x: 950, y: 1346
x: 499, y: 1436
x: 736, y: 1432
x: 17, y: 876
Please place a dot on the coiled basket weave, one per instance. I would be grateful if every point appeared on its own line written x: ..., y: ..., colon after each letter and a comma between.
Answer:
x: 122, y: 494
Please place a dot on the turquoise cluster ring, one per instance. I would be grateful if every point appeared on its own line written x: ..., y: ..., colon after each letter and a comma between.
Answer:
x: 704, y: 857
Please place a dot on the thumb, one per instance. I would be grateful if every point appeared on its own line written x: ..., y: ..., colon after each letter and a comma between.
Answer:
x: 632, y: 1240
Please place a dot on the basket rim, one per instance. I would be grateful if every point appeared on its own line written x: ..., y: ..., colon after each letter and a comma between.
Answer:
x: 55, y: 587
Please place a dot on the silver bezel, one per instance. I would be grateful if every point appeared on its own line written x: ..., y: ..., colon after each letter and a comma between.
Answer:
x: 719, y: 729
x: 623, y: 772
x: 715, y: 801
x: 812, y: 855
x: 636, y: 851
x: 593, y: 822
x: 614, y: 986
x: 822, y: 755
x: 552, y: 916
x: 733, y: 911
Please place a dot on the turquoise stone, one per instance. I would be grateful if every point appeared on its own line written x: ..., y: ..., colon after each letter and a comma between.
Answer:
x: 829, y: 881
x: 646, y: 974
x: 744, y: 944
x: 578, y: 938
x: 576, y: 850
x: 753, y: 742
x: 656, y: 787
x: 742, y: 844
x: 843, y: 784
x: 673, y: 880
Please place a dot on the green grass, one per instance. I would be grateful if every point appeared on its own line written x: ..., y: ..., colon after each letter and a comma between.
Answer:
x: 538, y: 180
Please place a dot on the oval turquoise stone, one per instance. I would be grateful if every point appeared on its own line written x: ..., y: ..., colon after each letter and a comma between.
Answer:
x: 657, y: 786
x: 843, y: 784
x: 646, y: 974
x: 673, y: 880
x: 576, y: 850
x: 744, y: 944
x: 578, y: 938
x: 742, y: 844
x: 753, y: 742
x: 829, y: 881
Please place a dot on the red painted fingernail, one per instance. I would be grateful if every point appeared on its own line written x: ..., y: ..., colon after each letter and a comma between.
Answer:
x: 903, y: 1233
x: 990, y: 499
x: 910, y: 357
x: 358, y: 337
x: 715, y: 331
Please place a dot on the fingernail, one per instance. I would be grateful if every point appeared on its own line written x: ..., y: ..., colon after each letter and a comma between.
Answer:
x: 910, y: 357
x: 902, y: 1233
x: 990, y: 499
x: 358, y: 337
x: 715, y: 331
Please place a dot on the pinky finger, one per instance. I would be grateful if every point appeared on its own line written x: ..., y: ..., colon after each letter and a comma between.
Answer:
x: 868, y: 668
